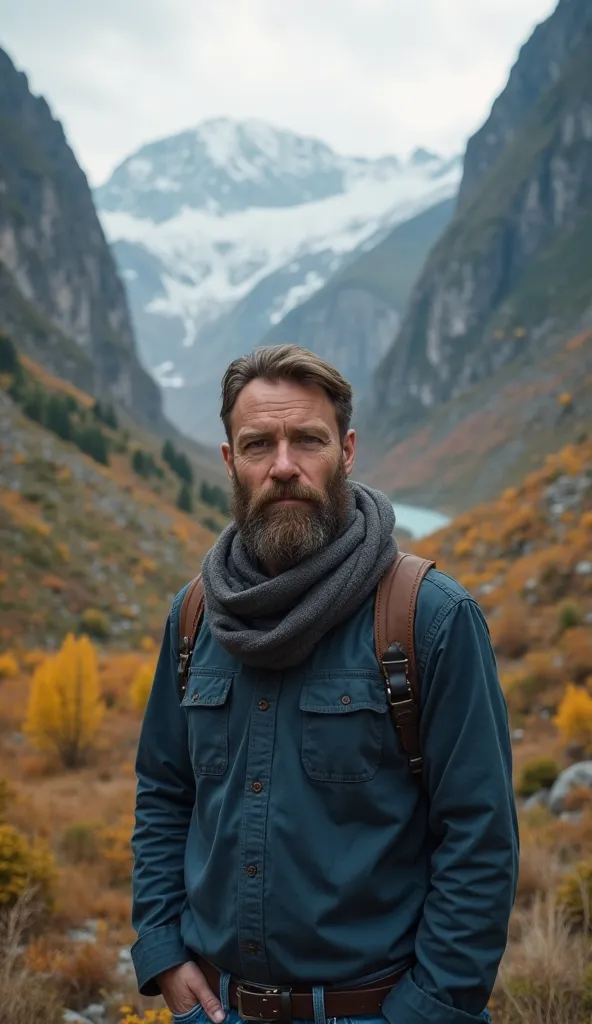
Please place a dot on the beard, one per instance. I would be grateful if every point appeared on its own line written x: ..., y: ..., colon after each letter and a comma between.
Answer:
x: 280, y: 537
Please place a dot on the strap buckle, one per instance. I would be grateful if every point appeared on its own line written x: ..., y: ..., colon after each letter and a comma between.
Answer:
x: 249, y: 989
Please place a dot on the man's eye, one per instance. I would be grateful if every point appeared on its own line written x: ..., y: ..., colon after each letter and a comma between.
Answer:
x: 259, y: 443
x: 311, y: 439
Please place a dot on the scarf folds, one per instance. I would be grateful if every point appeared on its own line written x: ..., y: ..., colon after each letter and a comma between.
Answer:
x: 274, y: 622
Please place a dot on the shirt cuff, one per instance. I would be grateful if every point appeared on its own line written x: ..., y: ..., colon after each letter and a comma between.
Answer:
x: 408, y: 1004
x: 154, y: 952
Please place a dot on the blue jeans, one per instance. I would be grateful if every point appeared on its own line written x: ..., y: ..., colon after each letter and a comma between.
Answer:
x: 198, y: 1016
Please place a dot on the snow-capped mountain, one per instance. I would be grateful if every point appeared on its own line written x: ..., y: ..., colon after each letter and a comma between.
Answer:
x: 220, y: 231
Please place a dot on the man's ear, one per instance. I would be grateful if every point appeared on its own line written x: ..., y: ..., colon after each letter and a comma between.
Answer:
x: 349, y: 451
x: 228, y: 458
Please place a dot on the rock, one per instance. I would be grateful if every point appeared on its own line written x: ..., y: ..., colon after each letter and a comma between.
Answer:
x: 538, y: 799
x: 72, y: 1017
x: 95, y: 1012
x: 573, y: 816
x: 517, y: 735
x: 584, y: 568
x: 576, y: 775
x: 81, y: 935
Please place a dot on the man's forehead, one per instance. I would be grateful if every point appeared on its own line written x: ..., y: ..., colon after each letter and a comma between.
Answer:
x: 264, y: 402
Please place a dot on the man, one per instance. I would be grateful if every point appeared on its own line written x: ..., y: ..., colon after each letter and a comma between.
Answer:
x: 281, y: 840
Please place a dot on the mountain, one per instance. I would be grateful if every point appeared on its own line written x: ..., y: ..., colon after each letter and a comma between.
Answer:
x: 504, y: 288
x: 352, y: 319
x: 60, y: 293
x: 88, y: 534
x: 222, y: 230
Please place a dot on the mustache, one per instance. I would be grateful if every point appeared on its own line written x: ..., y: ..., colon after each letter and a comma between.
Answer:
x: 292, y: 490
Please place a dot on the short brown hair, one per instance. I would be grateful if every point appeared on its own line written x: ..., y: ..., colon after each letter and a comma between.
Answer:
x: 286, y: 362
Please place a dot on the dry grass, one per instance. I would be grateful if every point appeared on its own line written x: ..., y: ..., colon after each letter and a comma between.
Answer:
x: 26, y: 997
x: 545, y: 977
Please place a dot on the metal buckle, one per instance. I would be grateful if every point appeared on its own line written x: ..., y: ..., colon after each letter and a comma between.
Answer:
x: 248, y: 988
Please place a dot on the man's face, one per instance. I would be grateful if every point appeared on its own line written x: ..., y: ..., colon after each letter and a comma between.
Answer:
x: 289, y: 471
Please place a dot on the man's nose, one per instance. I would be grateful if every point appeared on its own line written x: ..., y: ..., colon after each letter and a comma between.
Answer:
x: 284, y: 466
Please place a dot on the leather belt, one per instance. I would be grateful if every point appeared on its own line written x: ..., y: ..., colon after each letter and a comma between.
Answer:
x: 271, y: 1003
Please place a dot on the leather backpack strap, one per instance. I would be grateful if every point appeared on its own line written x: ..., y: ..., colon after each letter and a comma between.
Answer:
x: 189, y: 618
x: 394, y: 622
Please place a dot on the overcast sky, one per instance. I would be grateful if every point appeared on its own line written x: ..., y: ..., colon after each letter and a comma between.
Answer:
x: 367, y: 76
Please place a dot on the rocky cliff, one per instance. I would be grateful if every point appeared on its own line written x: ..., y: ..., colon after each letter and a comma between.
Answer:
x: 512, y: 275
x: 60, y: 295
x: 352, y: 320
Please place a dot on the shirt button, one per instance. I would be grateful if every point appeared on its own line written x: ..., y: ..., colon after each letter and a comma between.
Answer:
x: 257, y: 787
x: 252, y: 870
x: 252, y: 948
x: 346, y: 699
x: 263, y: 705
x: 195, y: 697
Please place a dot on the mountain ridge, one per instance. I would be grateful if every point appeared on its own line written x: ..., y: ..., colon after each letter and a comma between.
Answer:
x: 510, y: 277
x: 58, y: 282
x: 207, y: 281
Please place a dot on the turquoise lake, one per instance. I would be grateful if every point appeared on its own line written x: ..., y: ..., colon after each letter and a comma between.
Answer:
x: 419, y: 522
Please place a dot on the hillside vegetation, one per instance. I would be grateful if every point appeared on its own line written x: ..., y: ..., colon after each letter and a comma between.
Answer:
x: 71, y: 707
x: 99, y: 525
x: 527, y: 558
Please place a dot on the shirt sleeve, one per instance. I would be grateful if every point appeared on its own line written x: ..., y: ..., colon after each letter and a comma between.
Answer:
x: 462, y: 933
x: 165, y: 799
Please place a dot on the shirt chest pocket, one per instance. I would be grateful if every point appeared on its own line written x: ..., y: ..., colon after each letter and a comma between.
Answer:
x: 343, y: 723
x: 207, y: 704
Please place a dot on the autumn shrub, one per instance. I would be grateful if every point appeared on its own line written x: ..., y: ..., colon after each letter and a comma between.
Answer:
x: 568, y: 616
x: 26, y: 997
x: 574, y: 895
x: 510, y: 630
x: 537, y: 871
x: 574, y: 718
x: 8, y: 666
x: 116, y: 853
x: 94, y: 623
x: 539, y: 773
x: 141, y: 687
x: 576, y: 646
x: 65, y: 707
x: 25, y: 867
x: 6, y: 796
x: 80, y: 842
x: 81, y: 971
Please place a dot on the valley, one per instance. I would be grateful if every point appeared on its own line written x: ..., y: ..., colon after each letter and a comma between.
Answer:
x: 456, y: 295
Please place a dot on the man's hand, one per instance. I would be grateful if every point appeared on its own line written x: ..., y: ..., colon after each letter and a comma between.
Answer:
x: 185, y: 986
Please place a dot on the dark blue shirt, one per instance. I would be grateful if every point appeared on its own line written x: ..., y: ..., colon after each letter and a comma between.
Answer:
x: 280, y: 833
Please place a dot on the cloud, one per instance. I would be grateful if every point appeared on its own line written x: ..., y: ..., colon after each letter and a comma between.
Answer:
x: 367, y: 76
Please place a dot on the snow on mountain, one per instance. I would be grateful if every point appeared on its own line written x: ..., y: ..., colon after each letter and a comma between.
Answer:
x: 242, y: 216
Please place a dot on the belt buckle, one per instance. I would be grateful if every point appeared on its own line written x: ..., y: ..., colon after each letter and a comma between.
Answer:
x: 249, y: 988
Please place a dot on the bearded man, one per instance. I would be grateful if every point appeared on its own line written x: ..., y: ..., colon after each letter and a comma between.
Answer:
x: 287, y: 862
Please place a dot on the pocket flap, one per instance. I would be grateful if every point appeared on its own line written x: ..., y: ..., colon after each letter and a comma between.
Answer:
x: 206, y: 688
x: 338, y: 693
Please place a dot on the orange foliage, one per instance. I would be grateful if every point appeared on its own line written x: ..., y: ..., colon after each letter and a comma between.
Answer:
x: 574, y: 718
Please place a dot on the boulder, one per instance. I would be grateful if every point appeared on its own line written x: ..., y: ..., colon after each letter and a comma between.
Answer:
x: 574, y: 777
x: 538, y: 799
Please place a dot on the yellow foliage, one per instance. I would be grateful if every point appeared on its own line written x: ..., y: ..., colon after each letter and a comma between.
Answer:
x: 565, y: 399
x: 8, y: 667
x: 163, y: 1016
x: 65, y: 707
x: 63, y: 551
x: 25, y: 866
x: 116, y: 853
x: 141, y: 687
x: 95, y: 623
x: 147, y: 643
x: 574, y: 717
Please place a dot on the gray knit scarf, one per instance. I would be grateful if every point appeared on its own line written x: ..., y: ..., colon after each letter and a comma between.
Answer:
x: 274, y: 622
